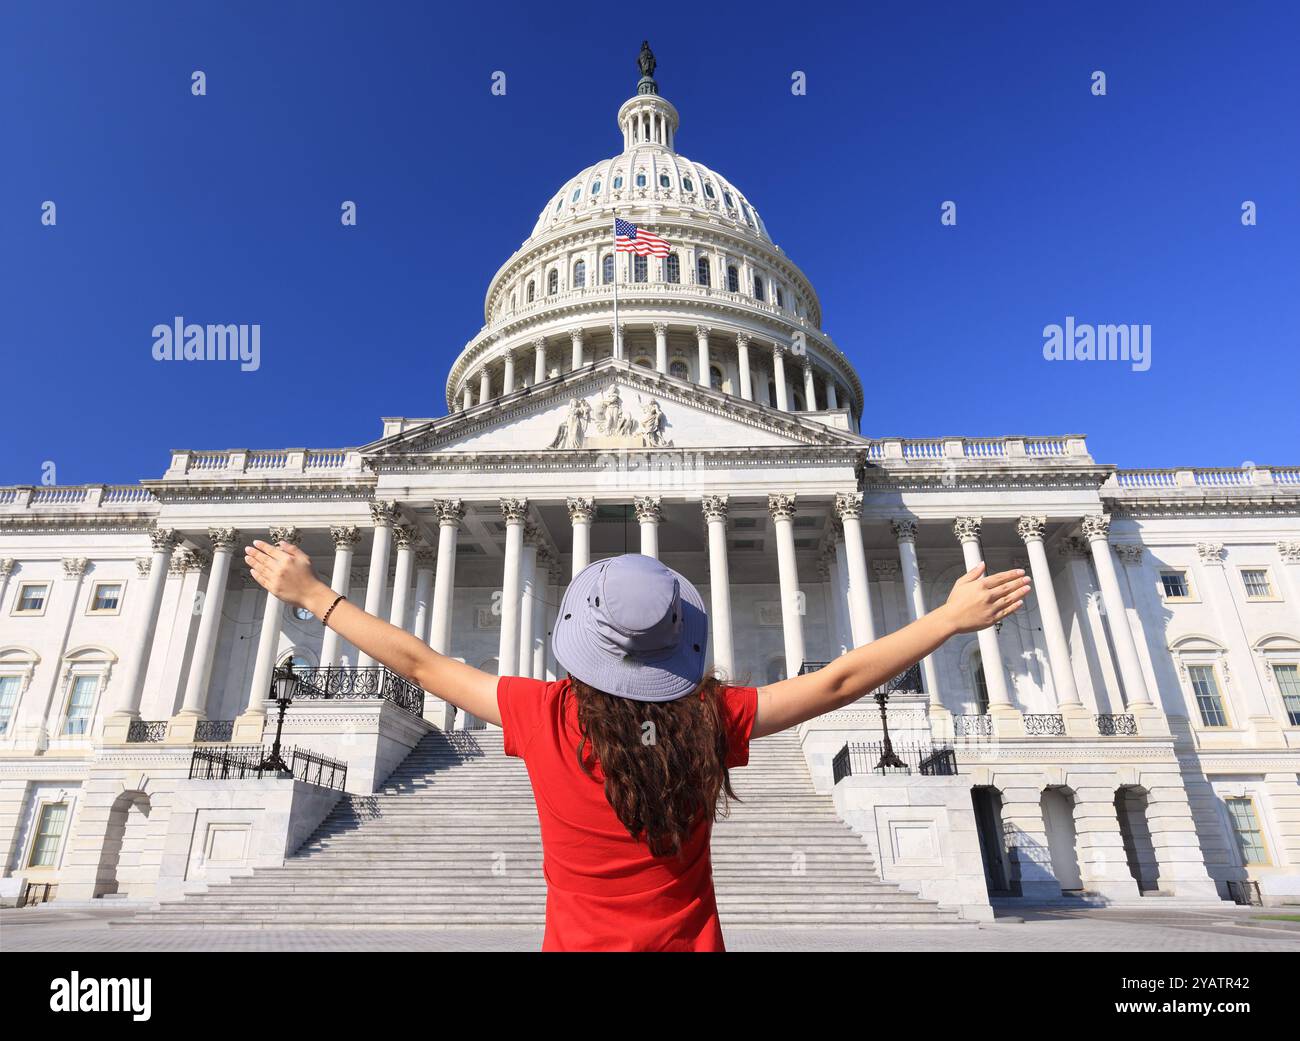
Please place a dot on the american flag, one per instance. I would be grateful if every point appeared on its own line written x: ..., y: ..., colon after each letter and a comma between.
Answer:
x: 628, y: 238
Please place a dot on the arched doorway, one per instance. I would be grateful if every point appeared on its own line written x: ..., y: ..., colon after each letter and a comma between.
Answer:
x: 125, y: 836
x: 1057, y: 806
x: 987, y: 802
x: 1139, y: 850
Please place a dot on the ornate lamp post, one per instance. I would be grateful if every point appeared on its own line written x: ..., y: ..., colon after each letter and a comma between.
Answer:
x: 283, y: 682
x: 888, y: 759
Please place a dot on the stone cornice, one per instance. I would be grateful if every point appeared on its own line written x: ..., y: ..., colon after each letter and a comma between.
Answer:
x: 584, y: 460
x: 910, y: 477
x: 1205, y: 504
x: 350, y: 486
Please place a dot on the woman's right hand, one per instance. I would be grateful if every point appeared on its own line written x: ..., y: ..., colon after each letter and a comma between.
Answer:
x: 979, y: 600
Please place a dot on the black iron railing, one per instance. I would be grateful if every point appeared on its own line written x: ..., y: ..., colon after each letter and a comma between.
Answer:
x: 973, y: 725
x: 146, y: 731
x: 865, y: 758
x: 812, y: 666
x: 37, y: 893
x: 214, y: 730
x: 355, y: 684
x: 1112, y: 724
x: 246, y: 762
x: 1040, y: 724
x: 1246, y: 892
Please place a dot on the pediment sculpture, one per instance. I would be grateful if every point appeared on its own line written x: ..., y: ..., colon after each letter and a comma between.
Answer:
x: 608, y: 426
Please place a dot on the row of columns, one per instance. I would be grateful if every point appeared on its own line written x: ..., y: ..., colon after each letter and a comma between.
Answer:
x: 660, y: 329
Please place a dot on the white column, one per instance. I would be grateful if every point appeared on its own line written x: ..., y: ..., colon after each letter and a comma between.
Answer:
x: 423, y: 593
x: 136, y: 665
x: 904, y: 530
x: 539, y: 360
x: 580, y: 513
x: 450, y: 512
x: 742, y: 360
x: 661, y: 347
x: 967, y: 530
x: 616, y: 335
x: 1097, y: 530
x: 205, y: 641
x: 715, y: 517
x: 648, y: 515
x: 575, y: 338
x: 702, y: 352
x: 832, y: 400
x: 527, y: 600
x: 467, y: 396
x: 384, y: 515
x: 268, y: 642
x: 508, y: 382
x: 778, y: 377
x: 346, y: 537
x: 405, y: 537
x: 514, y: 511
x: 484, y: 385
x: 6, y: 569
x: 1032, y: 529
x: 541, y: 607
x: 848, y: 506
x: 809, y: 386
x: 781, y: 507
x: 845, y: 621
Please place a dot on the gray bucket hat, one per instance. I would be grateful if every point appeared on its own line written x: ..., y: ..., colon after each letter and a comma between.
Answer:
x: 632, y: 627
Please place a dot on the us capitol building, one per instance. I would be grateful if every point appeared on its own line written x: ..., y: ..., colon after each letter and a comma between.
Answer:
x: 1133, y: 734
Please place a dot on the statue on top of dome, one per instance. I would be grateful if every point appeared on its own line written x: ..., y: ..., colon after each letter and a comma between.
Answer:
x: 646, y: 63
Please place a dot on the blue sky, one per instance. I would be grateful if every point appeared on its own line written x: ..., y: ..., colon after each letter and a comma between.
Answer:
x: 225, y: 208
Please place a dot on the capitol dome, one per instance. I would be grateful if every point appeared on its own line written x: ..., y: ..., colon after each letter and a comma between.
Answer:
x: 725, y: 309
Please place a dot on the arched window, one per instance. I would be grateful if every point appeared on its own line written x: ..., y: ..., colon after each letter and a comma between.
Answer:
x: 552, y: 282
x: 559, y: 203
x: 579, y: 274
x: 726, y: 198
x: 780, y: 297
x: 672, y: 268
x: 758, y: 288
x: 715, y: 377
x: 644, y: 362
x: 745, y: 210
x: 618, y: 182
x: 665, y: 181
x: 640, y: 269
x: 607, y: 269
x: 687, y: 184
x: 702, y: 272
x: 595, y: 187
x: 708, y: 191
x: 733, y: 279
x: 678, y: 368
x: 577, y: 194
x: 640, y: 180
x: 531, y: 294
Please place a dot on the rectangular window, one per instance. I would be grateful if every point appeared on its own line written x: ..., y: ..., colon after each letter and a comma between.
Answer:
x: 9, y: 687
x: 31, y: 598
x: 640, y: 269
x: 49, y: 835
x: 80, y: 705
x: 1208, y: 700
x: 1175, y: 585
x: 107, y: 597
x: 1245, y: 826
x: 1257, y: 584
x: 1288, y: 682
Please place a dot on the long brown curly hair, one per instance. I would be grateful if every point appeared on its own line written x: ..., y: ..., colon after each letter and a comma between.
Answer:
x: 664, y: 762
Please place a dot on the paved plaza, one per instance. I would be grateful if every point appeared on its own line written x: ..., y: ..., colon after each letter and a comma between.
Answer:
x: 1041, y: 929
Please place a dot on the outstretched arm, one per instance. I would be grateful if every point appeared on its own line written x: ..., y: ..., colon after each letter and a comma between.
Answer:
x: 285, y: 572
x: 977, y: 601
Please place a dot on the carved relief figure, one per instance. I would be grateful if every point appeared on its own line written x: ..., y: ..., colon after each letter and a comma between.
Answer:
x: 611, y: 419
x: 571, y: 432
x: 652, y: 421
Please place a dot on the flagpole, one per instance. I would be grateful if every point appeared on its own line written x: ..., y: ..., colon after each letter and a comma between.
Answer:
x: 614, y: 258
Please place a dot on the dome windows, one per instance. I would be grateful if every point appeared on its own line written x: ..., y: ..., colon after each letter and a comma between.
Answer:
x: 607, y: 269
x: 780, y: 298
x: 702, y: 275
x: 595, y: 187
x: 708, y: 191
x: 559, y: 203
x: 618, y: 182
x: 640, y: 180
x: 728, y: 200
x: 688, y: 185
x: 672, y: 268
x: 580, y: 274
x: 640, y: 269
x: 665, y: 181
x: 577, y: 194
x: 733, y: 279
x: 530, y: 294
x: 552, y: 282
x: 744, y: 209
x: 679, y: 370
x: 758, y: 288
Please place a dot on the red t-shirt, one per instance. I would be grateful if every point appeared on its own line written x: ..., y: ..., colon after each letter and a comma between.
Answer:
x: 604, y: 889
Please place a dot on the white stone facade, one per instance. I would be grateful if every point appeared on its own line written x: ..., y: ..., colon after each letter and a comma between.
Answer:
x: 1135, y: 730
